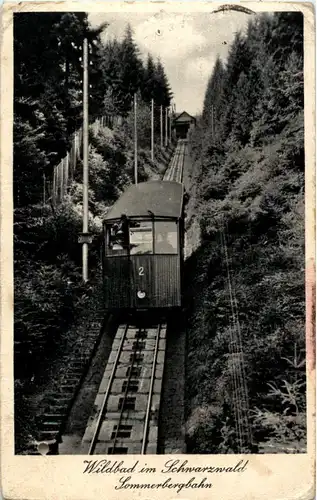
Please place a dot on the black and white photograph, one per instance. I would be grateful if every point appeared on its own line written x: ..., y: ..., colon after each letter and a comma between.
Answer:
x: 162, y: 259
x: 159, y: 257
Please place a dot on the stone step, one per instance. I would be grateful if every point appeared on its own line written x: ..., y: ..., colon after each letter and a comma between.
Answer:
x: 57, y: 416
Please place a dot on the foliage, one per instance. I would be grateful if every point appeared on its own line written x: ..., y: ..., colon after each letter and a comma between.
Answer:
x: 48, y: 74
x: 47, y: 97
x: 248, y: 184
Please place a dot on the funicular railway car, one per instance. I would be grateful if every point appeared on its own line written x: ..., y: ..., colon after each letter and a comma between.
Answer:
x: 143, y: 248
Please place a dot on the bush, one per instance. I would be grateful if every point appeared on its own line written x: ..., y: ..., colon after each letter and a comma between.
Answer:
x: 247, y: 198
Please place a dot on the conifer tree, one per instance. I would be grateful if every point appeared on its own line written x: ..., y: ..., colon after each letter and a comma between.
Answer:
x: 150, y: 83
x: 163, y: 93
x: 48, y: 90
x: 213, y: 95
x: 131, y: 76
x: 110, y: 65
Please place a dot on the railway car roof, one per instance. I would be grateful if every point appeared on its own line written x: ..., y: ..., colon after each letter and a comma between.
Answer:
x: 161, y: 198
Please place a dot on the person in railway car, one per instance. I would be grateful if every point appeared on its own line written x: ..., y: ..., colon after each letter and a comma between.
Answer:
x: 166, y: 238
x: 119, y: 236
x: 163, y: 245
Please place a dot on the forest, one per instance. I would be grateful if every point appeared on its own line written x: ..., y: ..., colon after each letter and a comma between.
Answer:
x: 246, y: 278
x: 48, y: 73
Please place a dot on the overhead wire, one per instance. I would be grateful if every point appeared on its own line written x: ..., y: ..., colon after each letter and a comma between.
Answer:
x: 234, y: 374
x: 241, y: 399
x: 244, y: 386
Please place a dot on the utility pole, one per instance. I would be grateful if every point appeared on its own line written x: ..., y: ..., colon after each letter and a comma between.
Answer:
x: 152, y: 130
x: 166, y: 138
x: 161, y: 123
x: 85, y: 236
x: 135, y: 142
x: 170, y: 124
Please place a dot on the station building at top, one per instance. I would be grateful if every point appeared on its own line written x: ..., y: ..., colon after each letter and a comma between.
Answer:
x: 182, y: 123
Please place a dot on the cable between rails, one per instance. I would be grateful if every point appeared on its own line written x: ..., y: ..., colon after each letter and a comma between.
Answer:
x: 149, y: 403
x: 125, y: 396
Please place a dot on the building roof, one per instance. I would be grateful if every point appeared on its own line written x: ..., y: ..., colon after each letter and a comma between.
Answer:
x: 184, y: 117
x: 162, y: 198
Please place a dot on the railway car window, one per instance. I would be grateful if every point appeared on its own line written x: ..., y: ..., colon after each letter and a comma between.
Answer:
x: 165, y: 237
x: 141, y: 237
x: 117, y: 237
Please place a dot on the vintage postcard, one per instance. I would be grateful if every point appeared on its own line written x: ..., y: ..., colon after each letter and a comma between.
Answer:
x: 157, y: 250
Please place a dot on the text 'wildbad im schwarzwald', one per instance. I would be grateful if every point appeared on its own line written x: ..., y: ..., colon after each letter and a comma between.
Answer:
x: 171, y: 467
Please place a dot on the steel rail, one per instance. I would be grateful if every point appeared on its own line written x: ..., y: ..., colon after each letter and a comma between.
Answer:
x: 104, y: 403
x: 175, y: 171
x: 175, y: 163
x: 168, y: 173
x: 114, y: 440
x: 181, y: 164
x: 148, y: 409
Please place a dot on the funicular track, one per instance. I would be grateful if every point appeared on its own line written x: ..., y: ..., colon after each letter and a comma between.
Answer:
x: 125, y: 418
x: 126, y: 409
x: 174, y: 171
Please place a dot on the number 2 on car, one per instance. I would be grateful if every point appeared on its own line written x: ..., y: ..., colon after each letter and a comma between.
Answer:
x: 141, y: 271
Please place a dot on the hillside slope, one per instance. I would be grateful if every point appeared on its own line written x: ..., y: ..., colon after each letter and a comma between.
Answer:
x: 245, y: 293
